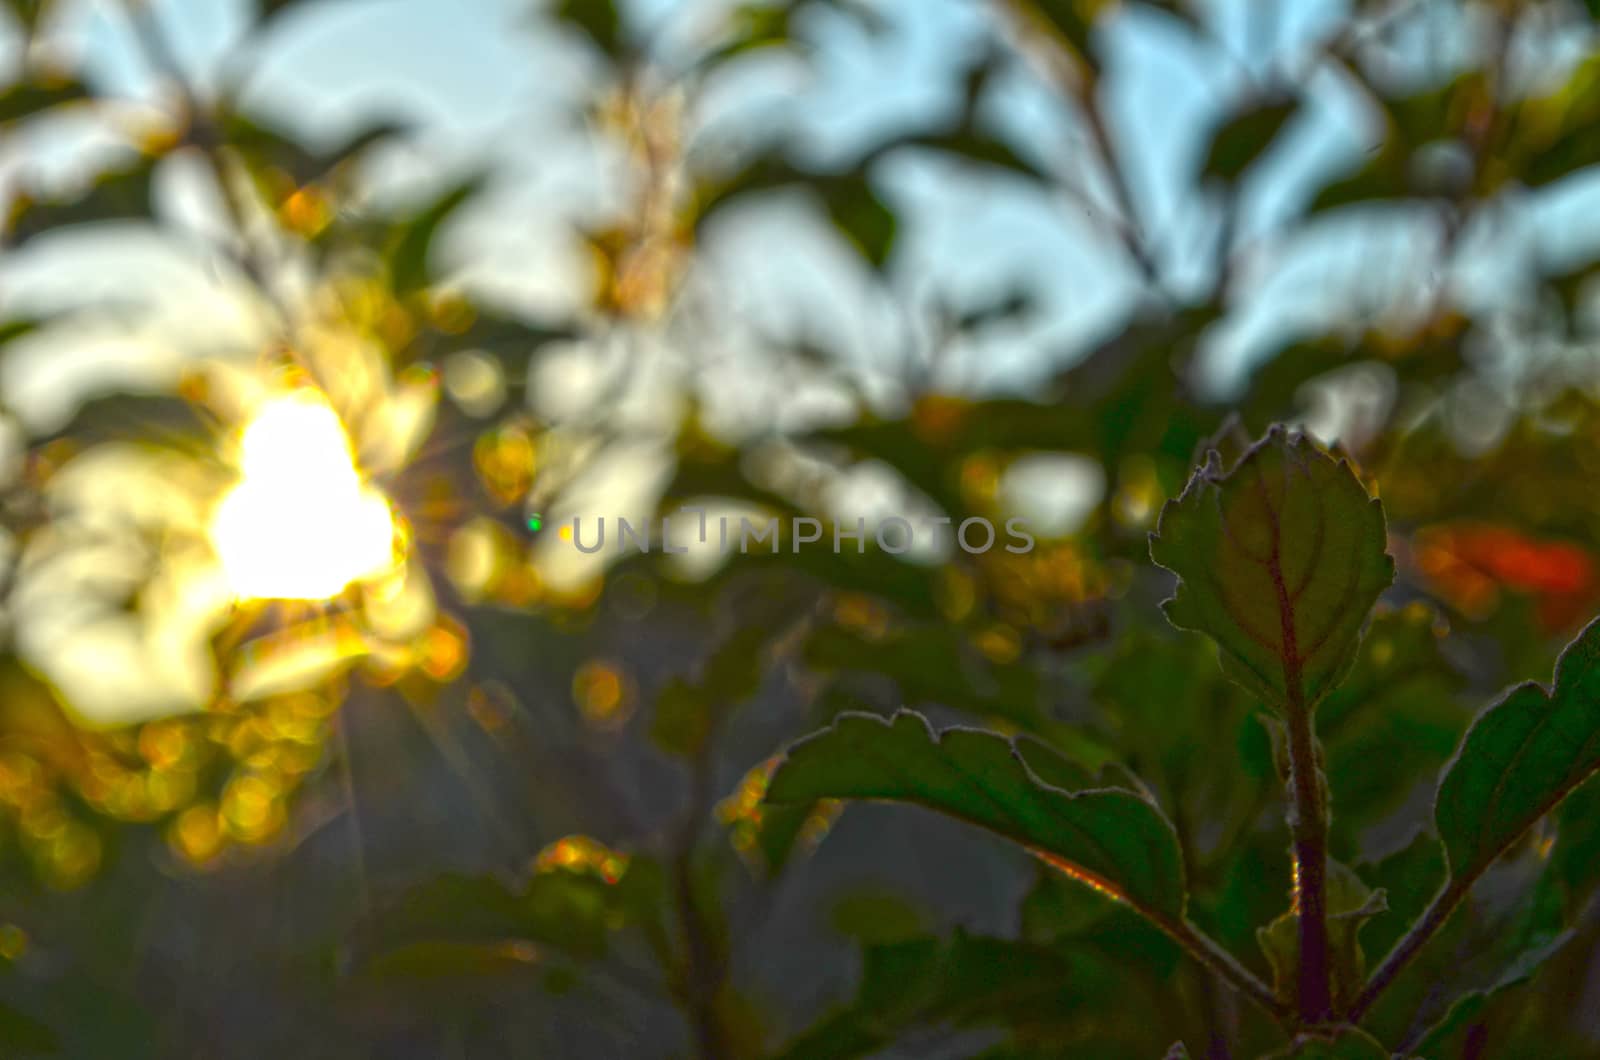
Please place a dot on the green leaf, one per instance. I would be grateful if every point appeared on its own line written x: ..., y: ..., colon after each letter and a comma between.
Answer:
x: 1279, y: 560
x: 1111, y: 839
x: 28, y: 13
x: 1520, y: 758
x: 271, y: 12
x: 25, y: 99
x: 117, y: 195
x: 1244, y: 137
x: 413, y: 240
x: 599, y: 20
x: 861, y: 216
x: 141, y: 417
x: 269, y: 148
x: 1073, y: 19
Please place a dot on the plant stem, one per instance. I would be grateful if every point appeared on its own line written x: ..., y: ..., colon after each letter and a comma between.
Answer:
x: 704, y: 973
x: 1222, y: 964
x: 1308, y: 823
x: 1437, y: 913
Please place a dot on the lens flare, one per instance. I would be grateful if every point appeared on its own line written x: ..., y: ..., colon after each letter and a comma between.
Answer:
x: 300, y: 524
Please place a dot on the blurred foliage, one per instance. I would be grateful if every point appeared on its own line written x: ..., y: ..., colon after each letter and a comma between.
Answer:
x: 497, y: 801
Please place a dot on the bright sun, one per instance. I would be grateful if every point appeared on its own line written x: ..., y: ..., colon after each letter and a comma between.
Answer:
x: 300, y: 525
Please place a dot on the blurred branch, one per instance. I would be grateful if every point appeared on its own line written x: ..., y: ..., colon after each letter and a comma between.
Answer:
x: 200, y: 132
x: 1075, y: 80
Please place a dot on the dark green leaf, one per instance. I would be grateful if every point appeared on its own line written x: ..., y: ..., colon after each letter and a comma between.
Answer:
x: 413, y: 239
x: 599, y: 20
x: 862, y: 217
x: 1279, y: 560
x: 1073, y: 19
x: 29, y: 13
x: 1112, y: 839
x: 271, y: 12
x: 118, y: 195
x: 1244, y: 137
x: 25, y: 99
x: 268, y: 148
x: 154, y: 417
x: 1521, y: 757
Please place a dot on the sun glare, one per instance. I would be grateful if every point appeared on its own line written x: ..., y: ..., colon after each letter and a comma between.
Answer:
x: 300, y: 524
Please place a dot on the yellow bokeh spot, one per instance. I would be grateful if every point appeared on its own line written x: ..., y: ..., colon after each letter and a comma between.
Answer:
x: 441, y: 652
x: 300, y: 525
x: 505, y: 459
x: 580, y: 853
x: 252, y: 808
x: 601, y: 694
x: 196, y: 834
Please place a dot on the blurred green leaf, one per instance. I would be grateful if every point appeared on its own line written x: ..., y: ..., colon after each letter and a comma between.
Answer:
x: 1279, y: 559
x: 861, y: 216
x: 151, y: 417
x: 27, y: 99
x: 268, y: 148
x: 269, y: 13
x: 116, y: 195
x: 1073, y: 19
x: 1245, y: 137
x: 1114, y: 840
x: 412, y: 242
x: 29, y: 13
x: 599, y: 20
